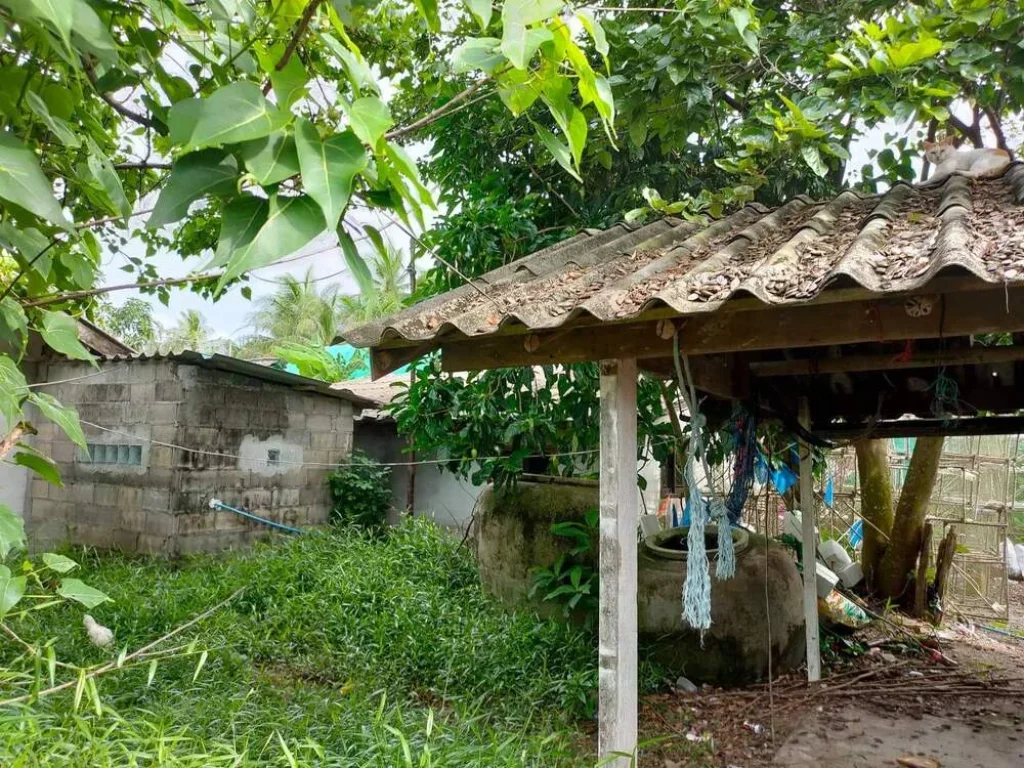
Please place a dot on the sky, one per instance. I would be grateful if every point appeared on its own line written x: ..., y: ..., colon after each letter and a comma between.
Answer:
x: 229, y: 316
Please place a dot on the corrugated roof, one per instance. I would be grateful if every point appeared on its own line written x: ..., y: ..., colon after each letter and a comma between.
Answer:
x: 893, y: 242
x: 228, y: 364
x: 380, y: 392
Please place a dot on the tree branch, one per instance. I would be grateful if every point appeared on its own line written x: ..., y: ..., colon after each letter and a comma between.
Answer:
x: 300, y: 30
x: 997, y: 128
x: 115, y: 105
x: 733, y: 102
x: 554, y: 191
x: 437, y: 113
x: 143, y: 166
x: 56, y: 298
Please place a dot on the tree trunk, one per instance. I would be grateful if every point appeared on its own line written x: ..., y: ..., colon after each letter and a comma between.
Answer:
x: 898, y: 563
x: 875, y: 503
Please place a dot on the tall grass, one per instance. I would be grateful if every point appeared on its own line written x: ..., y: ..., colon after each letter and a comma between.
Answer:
x: 344, y: 649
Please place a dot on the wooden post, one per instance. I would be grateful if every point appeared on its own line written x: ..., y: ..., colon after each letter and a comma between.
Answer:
x: 921, y: 584
x: 810, y: 549
x: 617, y: 629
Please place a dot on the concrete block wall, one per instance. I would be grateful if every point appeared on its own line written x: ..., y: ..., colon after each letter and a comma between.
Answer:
x: 261, y: 446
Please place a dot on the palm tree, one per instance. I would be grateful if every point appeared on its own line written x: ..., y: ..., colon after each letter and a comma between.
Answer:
x: 192, y: 332
x: 297, y: 312
x: 384, y: 296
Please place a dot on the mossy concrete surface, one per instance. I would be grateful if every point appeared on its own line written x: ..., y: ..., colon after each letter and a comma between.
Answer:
x: 735, y: 648
x: 512, y: 534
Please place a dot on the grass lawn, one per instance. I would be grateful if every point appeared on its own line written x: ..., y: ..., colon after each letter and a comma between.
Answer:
x: 343, y: 650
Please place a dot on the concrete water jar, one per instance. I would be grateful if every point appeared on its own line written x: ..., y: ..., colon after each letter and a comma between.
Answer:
x: 736, y: 647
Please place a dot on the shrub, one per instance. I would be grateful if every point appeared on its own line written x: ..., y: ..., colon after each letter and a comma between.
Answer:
x: 360, y: 493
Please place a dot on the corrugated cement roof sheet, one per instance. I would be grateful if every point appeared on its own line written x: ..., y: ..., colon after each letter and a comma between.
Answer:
x: 229, y: 364
x: 896, y: 241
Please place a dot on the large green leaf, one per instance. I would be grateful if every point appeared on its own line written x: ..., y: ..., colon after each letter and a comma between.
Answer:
x: 59, y: 128
x: 518, y: 90
x: 13, y: 322
x: 272, y: 158
x: 911, y: 53
x: 594, y: 29
x: 197, y: 174
x: 12, y: 588
x: 359, y: 73
x: 58, y: 563
x: 478, y: 53
x: 530, y: 11
x: 428, y: 10
x: 356, y: 263
x: 558, y: 150
x: 235, y: 113
x: 813, y: 159
x: 13, y: 389
x: 289, y: 83
x: 80, y: 592
x: 31, y: 244
x: 41, y: 465
x: 329, y: 166
x: 482, y: 11
x: 291, y: 223
x: 57, y: 15
x: 370, y: 118
x: 241, y: 220
x: 60, y: 331
x: 22, y: 183
x: 519, y: 44
x: 12, y: 531
x: 103, y: 172
x: 64, y: 417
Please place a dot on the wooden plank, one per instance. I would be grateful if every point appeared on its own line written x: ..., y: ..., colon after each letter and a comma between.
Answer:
x: 943, y: 566
x: 808, y: 520
x: 860, y: 363
x: 783, y: 327
x: 981, y: 425
x: 921, y: 582
x: 617, y: 563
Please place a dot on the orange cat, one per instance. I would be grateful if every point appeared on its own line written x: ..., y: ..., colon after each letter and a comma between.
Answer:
x: 972, y: 163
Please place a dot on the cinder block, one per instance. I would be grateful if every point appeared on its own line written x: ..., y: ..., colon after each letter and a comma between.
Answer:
x: 140, y: 372
x: 168, y: 390
x: 161, y: 524
x: 160, y: 414
x: 288, y: 497
x: 107, y: 495
x: 133, y: 519
x: 155, y: 544
x: 40, y: 489
x: 129, y: 497
x: 115, y: 393
x: 321, y: 441
x: 126, y: 541
x: 296, y: 420
x: 143, y: 393
x: 156, y: 499
x: 162, y: 457
x: 80, y: 492
x: 63, y: 452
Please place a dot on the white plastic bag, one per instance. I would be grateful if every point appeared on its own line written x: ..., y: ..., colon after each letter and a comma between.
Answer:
x: 1012, y: 561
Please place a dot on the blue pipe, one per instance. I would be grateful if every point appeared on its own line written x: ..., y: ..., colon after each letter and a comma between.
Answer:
x: 218, y: 504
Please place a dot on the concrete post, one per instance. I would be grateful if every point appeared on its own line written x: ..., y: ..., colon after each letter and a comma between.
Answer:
x: 617, y: 676
x: 808, y: 519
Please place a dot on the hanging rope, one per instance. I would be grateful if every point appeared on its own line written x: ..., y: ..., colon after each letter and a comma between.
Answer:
x: 697, y: 590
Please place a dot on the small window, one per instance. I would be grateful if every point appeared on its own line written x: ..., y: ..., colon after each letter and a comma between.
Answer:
x: 112, y: 453
x: 273, y: 457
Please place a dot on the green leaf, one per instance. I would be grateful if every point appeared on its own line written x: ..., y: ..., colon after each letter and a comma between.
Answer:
x: 58, y: 563
x: 272, y: 158
x: 22, y: 183
x: 13, y: 322
x: 13, y: 389
x: 241, y: 220
x: 370, y: 118
x: 74, y: 589
x: 152, y: 673
x: 63, y: 417
x: 234, y: 113
x: 558, y: 150
x: 741, y: 20
x: 12, y: 531
x: 56, y: 14
x: 59, y: 128
x: 482, y: 11
x: 195, y: 175
x: 911, y: 53
x: 594, y: 29
x: 376, y: 238
x: 530, y: 11
x: 519, y: 44
x: 478, y: 53
x: 329, y: 168
x: 428, y: 10
x: 12, y: 588
x: 41, y: 465
x: 289, y: 84
x: 199, y: 665
x: 355, y: 262
x: 291, y: 223
x: 518, y: 90
x: 812, y: 157
x: 355, y: 65
x: 103, y: 172
x: 91, y: 33
x: 29, y: 243
x: 60, y: 331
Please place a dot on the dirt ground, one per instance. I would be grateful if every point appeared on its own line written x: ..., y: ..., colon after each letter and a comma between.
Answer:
x: 963, y: 708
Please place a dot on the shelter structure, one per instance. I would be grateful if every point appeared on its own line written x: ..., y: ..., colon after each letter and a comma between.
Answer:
x: 840, y: 317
